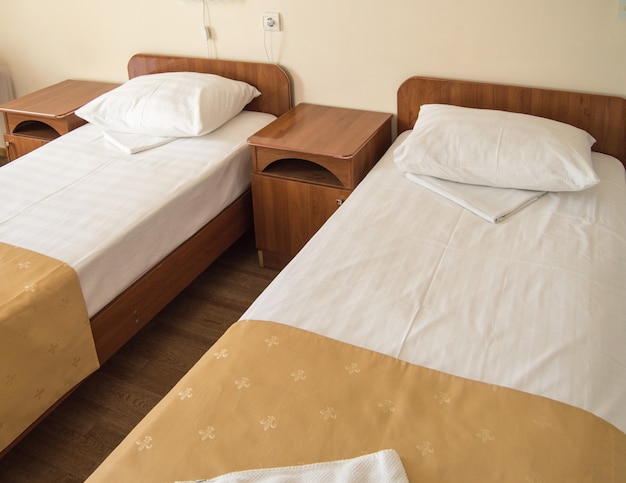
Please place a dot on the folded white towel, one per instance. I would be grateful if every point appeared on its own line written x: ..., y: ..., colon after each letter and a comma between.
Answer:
x: 381, y: 467
x: 492, y: 204
x: 132, y: 143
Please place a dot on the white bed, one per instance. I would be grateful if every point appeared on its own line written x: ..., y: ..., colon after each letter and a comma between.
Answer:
x: 419, y: 278
x: 94, y: 241
x: 476, y: 351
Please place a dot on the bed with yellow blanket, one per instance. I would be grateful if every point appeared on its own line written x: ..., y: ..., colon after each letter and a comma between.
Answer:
x: 472, y: 349
x: 131, y: 212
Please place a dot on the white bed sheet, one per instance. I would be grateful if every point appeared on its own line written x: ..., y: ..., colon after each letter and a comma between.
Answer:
x: 536, y: 302
x: 133, y: 209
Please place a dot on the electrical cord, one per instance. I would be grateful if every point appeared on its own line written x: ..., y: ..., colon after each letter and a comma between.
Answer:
x: 206, y: 27
x: 267, y: 52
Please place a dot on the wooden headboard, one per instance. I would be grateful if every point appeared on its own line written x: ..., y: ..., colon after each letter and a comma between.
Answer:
x: 604, y: 117
x: 272, y: 81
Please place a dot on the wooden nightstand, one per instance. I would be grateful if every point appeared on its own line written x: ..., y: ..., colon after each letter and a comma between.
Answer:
x: 304, y: 166
x: 36, y: 118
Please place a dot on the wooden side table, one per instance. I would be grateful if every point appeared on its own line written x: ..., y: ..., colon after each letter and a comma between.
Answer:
x: 305, y: 164
x: 37, y: 118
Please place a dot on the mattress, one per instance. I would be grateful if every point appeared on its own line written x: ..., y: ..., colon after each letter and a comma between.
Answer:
x: 535, y: 303
x: 111, y: 215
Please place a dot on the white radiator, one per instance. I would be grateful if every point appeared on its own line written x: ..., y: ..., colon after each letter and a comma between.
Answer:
x: 7, y: 93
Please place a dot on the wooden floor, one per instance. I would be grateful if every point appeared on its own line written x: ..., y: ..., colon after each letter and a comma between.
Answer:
x: 69, y: 444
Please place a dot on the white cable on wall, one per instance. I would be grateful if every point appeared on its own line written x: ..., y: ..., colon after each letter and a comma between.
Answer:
x: 271, y: 25
x: 267, y: 52
x: 206, y: 30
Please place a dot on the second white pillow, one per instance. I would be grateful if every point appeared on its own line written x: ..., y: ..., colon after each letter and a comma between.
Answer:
x: 497, y: 148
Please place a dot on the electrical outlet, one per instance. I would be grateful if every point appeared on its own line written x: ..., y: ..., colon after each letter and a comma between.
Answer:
x: 271, y: 21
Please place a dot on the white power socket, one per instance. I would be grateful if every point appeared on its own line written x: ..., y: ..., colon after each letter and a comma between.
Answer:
x: 271, y: 21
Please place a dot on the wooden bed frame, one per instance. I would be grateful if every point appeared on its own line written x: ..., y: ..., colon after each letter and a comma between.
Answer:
x: 116, y: 323
x: 604, y: 117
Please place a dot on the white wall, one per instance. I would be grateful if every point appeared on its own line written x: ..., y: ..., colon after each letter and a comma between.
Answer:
x: 352, y: 53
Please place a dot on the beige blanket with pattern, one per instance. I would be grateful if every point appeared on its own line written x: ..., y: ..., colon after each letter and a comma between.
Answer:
x: 267, y: 395
x: 46, y: 345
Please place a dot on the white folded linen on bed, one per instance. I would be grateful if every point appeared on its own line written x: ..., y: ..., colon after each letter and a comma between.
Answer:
x: 491, y: 204
x: 112, y: 216
x: 536, y: 303
x: 381, y: 467
x: 131, y: 143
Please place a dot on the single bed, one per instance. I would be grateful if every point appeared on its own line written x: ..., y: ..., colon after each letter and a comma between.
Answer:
x: 412, y: 338
x: 132, y: 229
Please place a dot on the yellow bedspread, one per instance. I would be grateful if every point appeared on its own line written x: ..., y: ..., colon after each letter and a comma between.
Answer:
x: 268, y: 395
x: 46, y: 346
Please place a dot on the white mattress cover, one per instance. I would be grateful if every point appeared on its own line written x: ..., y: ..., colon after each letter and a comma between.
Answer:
x: 536, y: 302
x: 133, y: 209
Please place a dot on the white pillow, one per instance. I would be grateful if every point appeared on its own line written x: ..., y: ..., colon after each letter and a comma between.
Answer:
x: 497, y: 148
x: 172, y: 104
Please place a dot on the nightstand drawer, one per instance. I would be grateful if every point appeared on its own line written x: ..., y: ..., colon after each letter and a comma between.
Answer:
x: 288, y: 213
x: 17, y: 146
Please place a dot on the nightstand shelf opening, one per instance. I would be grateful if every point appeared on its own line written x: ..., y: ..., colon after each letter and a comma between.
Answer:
x: 302, y: 170
x: 36, y: 129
